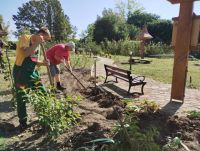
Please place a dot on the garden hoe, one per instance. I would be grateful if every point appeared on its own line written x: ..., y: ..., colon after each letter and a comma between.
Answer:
x: 74, y: 75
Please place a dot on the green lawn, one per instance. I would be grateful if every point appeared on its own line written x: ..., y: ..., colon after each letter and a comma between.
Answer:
x: 161, y: 70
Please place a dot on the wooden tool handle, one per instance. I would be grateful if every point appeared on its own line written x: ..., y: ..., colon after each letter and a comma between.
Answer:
x: 48, y: 69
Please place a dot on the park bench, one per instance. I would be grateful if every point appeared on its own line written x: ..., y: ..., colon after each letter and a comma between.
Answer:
x: 124, y: 75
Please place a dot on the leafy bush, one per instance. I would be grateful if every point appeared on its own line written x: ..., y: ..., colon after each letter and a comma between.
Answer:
x: 194, y: 114
x: 121, y: 47
x: 90, y: 46
x: 81, y: 61
x: 143, y: 106
x: 157, y: 48
x: 131, y: 137
x: 54, y: 114
x: 125, y: 47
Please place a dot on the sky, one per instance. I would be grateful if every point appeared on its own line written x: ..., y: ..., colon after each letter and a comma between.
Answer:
x: 84, y: 12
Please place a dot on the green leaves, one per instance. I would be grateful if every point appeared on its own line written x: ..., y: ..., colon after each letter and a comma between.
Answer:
x: 54, y: 114
x: 111, y: 26
x: 194, y: 114
x: 34, y: 14
x: 131, y: 137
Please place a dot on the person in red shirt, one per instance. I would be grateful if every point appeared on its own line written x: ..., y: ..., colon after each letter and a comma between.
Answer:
x: 57, y: 54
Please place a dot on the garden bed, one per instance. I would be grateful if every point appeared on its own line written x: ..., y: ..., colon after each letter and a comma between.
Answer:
x: 100, y: 112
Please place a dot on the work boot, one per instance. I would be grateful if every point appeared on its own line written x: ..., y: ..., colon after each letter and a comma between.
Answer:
x: 23, y: 126
x: 57, y: 91
x: 61, y: 88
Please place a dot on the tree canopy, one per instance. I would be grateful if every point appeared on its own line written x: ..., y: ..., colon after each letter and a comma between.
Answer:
x: 5, y: 27
x: 110, y: 26
x: 34, y: 14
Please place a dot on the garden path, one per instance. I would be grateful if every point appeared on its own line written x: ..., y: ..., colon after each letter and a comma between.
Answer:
x: 153, y: 91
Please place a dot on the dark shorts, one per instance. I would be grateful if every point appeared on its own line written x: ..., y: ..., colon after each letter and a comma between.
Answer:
x: 54, y: 70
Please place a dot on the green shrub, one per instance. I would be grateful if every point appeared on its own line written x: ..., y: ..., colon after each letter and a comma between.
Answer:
x: 121, y: 47
x: 132, y: 138
x: 194, y: 114
x: 157, y: 48
x: 54, y: 114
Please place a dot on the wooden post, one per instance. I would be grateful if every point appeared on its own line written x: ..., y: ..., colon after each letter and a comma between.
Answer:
x: 142, y: 42
x: 95, y: 72
x: 143, y: 36
x: 181, y: 49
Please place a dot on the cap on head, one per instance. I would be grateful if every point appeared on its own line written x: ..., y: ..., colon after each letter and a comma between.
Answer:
x: 46, y: 31
x: 71, y: 44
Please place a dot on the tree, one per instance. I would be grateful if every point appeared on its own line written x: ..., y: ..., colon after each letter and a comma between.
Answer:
x: 161, y: 31
x: 133, y: 31
x: 35, y: 14
x: 140, y: 18
x: 5, y: 28
x: 110, y: 26
x: 87, y: 36
x: 124, y: 8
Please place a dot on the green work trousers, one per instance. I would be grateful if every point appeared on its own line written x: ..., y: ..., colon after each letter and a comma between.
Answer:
x: 25, y: 76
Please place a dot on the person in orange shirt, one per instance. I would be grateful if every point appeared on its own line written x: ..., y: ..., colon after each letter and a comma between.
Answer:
x: 24, y: 72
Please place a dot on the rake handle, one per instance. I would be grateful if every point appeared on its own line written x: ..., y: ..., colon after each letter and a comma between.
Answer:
x: 74, y: 76
x: 48, y: 69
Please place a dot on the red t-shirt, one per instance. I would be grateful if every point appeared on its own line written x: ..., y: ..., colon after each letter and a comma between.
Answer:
x: 58, y: 50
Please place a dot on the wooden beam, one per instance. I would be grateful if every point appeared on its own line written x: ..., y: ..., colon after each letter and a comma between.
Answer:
x: 180, y: 1
x: 177, y: 18
x: 181, y: 50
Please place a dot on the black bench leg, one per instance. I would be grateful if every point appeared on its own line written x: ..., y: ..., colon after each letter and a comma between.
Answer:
x: 116, y: 80
x: 143, y: 88
x: 106, y: 79
x: 129, y: 89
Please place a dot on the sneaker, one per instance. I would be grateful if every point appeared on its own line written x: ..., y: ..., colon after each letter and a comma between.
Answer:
x: 61, y: 88
x: 23, y: 126
x: 57, y: 91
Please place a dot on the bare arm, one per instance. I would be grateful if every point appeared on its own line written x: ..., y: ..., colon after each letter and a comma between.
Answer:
x: 35, y: 40
x: 67, y: 63
x: 30, y: 50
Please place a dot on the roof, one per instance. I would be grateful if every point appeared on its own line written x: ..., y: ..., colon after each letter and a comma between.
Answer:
x: 144, y: 34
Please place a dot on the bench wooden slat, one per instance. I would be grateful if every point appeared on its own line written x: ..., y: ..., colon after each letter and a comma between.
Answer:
x: 112, y: 72
x: 118, y: 69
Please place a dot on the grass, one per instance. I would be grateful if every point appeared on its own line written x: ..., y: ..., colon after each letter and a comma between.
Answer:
x: 194, y: 114
x: 2, y: 143
x: 161, y: 70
